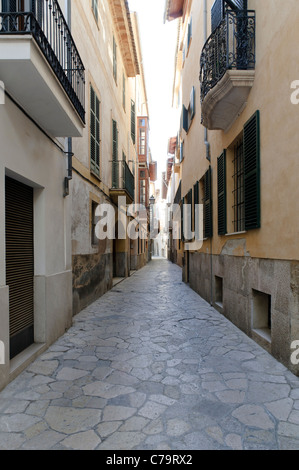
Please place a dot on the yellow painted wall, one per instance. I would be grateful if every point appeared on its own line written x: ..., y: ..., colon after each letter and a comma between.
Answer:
x: 277, y: 37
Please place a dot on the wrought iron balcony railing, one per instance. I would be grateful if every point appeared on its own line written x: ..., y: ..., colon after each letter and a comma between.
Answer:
x: 123, y: 178
x: 230, y: 47
x: 45, y: 21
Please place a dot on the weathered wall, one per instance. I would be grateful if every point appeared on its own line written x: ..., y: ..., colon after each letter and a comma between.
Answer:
x: 277, y: 278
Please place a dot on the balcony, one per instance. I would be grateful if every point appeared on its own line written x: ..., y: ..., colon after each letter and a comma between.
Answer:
x: 41, y: 67
x: 227, y: 69
x: 123, y: 182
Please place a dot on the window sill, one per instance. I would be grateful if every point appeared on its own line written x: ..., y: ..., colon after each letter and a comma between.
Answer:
x: 235, y: 233
x: 95, y: 175
x: 265, y: 333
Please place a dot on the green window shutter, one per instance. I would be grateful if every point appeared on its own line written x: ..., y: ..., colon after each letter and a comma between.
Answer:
x: 195, y: 210
x: 115, y: 163
x: 95, y: 8
x: 208, y: 207
x: 251, y: 149
x: 133, y: 122
x: 181, y: 152
x: 185, y: 122
x: 190, y: 212
x: 189, y: 33
x: 182, y: 220
x: 192, y: 105
x: 221, y: 185
x: 94, y: 132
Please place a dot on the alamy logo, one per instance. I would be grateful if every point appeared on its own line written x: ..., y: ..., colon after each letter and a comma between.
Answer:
x: 295, y: 354
x: 2, y: 93
x: 2, y: 353
x: 186, y: 221
x: 295, y: 94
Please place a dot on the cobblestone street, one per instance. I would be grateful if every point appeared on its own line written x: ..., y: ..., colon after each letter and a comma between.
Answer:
x: 151, y: 365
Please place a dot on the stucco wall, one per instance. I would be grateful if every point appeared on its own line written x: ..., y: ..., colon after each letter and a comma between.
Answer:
x: 30, y: 157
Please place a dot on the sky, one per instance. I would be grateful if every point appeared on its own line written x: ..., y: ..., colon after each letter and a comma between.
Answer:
x: 158, y: 44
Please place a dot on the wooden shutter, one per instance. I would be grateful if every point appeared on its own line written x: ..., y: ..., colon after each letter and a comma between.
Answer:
x: 221, y: 186
x: 94, y: 132
x: 192, y: 105
x: 182, y: 151
x: 196, y: 209
x: 133, y: 122
x: 251, y: 149
x: 208, y: 209
x: 189, y: 222
x: 182, y: 219
x: 217, y: 14
x: 184, y: 119
x: 115, y: 163
x: 19, y: 263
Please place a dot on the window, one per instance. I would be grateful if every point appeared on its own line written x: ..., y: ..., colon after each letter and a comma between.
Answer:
x: 239, y: 202
x: 221, y: 186
x: 261, y: 314
x: 238, y: 192
x: 142, y: 192
x: 207, y: 202
x: 95, y: 9
x: 94, y: 132
x: 142, y: 141
x: 114, y: 60
x: 133, y: 121
x: 142, y: 174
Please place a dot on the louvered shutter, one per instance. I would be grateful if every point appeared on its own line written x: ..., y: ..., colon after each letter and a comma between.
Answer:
x: 217, y: 14
x: 251, y: 149
x: 196, y: 209
x: 221, y: 186
x: 94, y: 132
x: 19, y: 238
x: 185, y: 123
x: 115, y: 163
x: 208, y: 209
x: 237, y: 4
x: 192, y: 105
x: 189, y: 213
x: 181, y: 152
x: 133, y: 122
x: 182, y: 220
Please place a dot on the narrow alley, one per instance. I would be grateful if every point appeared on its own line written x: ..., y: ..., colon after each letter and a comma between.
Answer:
x: 151, y: 365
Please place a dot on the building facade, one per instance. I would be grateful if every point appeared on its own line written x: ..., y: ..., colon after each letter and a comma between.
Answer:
x: 105, y: 162
x: 237, y: 158
x: 42, y: 106
x: 71, y: 91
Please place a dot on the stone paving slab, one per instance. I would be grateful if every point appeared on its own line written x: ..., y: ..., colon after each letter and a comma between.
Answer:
x: 152, y: 366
